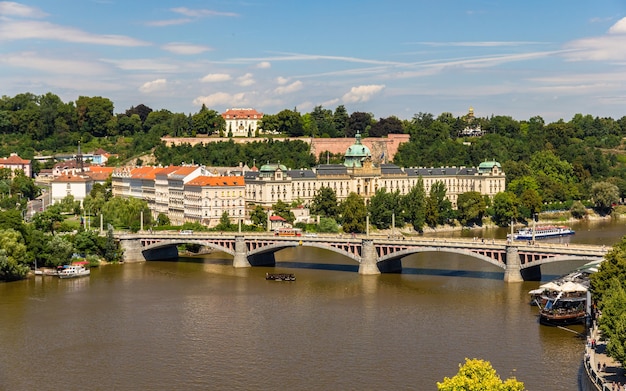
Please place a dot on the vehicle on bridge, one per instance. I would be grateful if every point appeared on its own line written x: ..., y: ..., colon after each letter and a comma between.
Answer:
x: 288, y: 232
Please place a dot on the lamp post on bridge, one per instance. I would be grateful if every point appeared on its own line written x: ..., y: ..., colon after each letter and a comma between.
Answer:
x: 535, y: 216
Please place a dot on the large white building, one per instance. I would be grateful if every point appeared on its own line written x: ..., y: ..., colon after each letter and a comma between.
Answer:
x: 242, y: 122
x: 183, y: 193
x: 195, y: 194
x: 359, y: 175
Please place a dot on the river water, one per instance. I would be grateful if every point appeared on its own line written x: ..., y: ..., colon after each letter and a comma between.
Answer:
x: 200, y: 324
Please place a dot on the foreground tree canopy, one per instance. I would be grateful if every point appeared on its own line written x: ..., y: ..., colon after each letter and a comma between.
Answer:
x: 478, y: 375
x: 608, y: 287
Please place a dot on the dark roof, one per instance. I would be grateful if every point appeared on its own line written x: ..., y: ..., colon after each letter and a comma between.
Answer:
x: 440, y: 171
x: 331, y: 169
x: 301, y: 174
x: 390, y: 169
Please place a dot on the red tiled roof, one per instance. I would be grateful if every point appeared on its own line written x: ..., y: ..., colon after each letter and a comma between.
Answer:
x: 242, y: 113
x: 216, y: 181
x: 13, y: 159
x: 71, y: 178
x: 276, y: 218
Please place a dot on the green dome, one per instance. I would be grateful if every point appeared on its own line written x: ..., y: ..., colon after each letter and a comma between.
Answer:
x: 487, y: 166
x: 357, y: 149
x: 271, y: 167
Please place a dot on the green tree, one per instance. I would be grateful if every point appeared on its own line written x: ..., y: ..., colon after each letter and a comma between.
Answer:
x: 353, y: 214
x: 225, y: 224
x: 328, y: 224
x: 281, y: 209
x: 504, y: 208
x: 478, y: 375
x: 258, y: 216
x: 414, y: 206
x: 471, y: 208
x: 13, y: 262
x: 162, y: 220
x: 324, y: 203
x: 604, y: 195
x: 614, y: 265
x: 290, y: 123
x: 93, y: 115
x: 58, y: 251
x: 111, y: 251
x: 438, y: 207
x: 48, y: 220
x: 578, y: 210
x: 382, y: 208
x: 531, y: 202
x: 612, y: 323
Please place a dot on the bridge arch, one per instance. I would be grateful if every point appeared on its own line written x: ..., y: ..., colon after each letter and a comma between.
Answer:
x: 559, y: 258
x: 409, y: 251
x: 272, y: 248
x: 201, y: 242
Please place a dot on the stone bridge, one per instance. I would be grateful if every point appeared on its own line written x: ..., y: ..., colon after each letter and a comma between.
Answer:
x: 373, y: 255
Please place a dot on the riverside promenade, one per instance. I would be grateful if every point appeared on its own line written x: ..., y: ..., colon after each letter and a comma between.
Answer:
x: 603, y: 372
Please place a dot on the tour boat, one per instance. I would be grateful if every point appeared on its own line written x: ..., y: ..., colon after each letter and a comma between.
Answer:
x: 543, y: 232
x: 564, y: 309
x: 73, y: 271
x: 280, y: 276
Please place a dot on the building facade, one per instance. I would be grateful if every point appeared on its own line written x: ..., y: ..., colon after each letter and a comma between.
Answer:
x: 196, y: 194
x: 242, y: 122
x: 15, y: 163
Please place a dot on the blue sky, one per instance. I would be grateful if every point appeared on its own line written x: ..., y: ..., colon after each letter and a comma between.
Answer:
x: 552, y: 58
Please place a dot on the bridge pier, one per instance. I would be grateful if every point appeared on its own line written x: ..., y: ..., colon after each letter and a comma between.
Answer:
x: 131, y: 251
x: 241, y: 253
x: 513, y: 265
x: 369, y: 258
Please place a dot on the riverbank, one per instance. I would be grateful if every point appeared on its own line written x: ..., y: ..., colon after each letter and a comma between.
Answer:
x: 603, y: 372
x: 545, y: 218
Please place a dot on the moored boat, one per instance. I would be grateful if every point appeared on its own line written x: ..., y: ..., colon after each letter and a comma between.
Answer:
x: 543, y: 232
x: 73, y: 271
x: 280, y: 276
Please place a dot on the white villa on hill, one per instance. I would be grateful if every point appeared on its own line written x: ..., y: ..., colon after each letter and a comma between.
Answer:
x: 242, y: 122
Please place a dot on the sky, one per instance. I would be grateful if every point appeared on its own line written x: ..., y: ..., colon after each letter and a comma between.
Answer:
x: 548, y: 58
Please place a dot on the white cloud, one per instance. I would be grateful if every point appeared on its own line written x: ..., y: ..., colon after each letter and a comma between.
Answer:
x: 221, y: 98
x: 619, y: 27
x: 295, y: 86
x: 185, y: 48
x: 200, y: 13
x: 10, y: 8
x: 18, y: 30
x: 154, y: 85
x: 245, y: 80
x: 169, y: 22
x: 66, y: 65
x: 143, y: 64
x: 362, y: 93
x: 215, y: 77
x: 282, y: 80
x: 264, y: 65
x: 609, y: 47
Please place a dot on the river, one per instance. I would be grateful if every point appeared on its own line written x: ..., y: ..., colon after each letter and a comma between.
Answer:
x: 200, y: 324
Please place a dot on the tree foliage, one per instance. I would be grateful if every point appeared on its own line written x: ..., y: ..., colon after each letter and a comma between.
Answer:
x: 324, y: 203
x: 478, y: 375
x: 353, y: 214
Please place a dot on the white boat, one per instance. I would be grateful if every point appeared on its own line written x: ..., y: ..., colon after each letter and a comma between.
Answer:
x: 543, y: 232
x: 73, y: 271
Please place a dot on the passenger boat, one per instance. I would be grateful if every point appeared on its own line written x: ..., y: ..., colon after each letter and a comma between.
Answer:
x: 280, y: 276
x: 543, y: 232
x: 73, y: 271
x: 564, y: 309
x: 565, y: 300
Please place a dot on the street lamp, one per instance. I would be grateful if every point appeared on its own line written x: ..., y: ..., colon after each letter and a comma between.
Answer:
x: 535, y: 216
